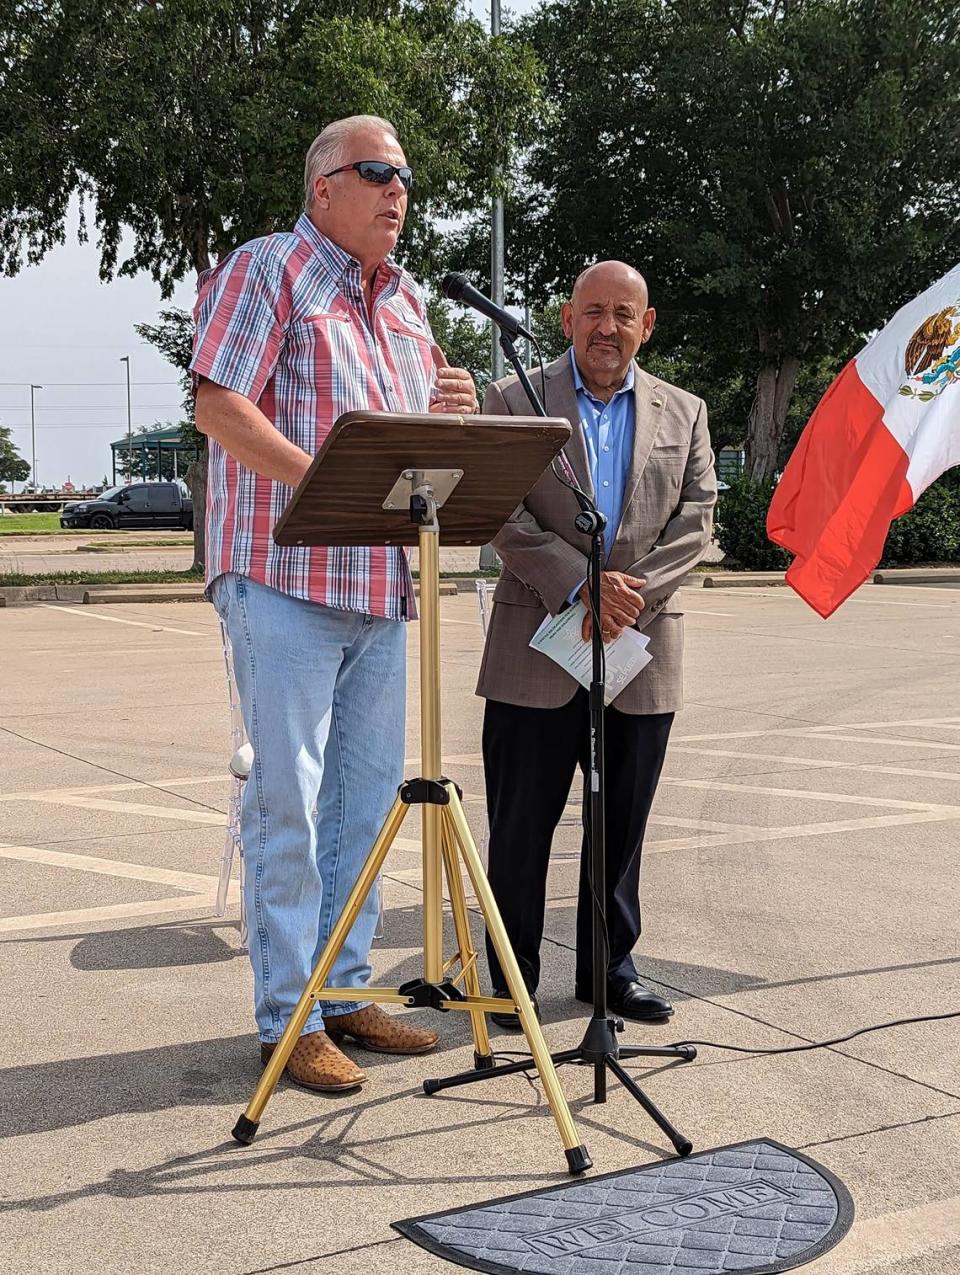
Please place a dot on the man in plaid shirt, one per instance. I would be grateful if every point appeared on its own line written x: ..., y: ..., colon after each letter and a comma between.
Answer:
x: 293, y: 330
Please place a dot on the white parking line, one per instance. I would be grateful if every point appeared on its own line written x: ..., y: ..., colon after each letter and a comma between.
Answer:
x: 763, y: 836
x: 88, y: 614
x: 197, y: 815
x: 195, y: 882
x: 803, y: 794
x: 819, y: 763
x: 49, y: 794
x: 828, y: 728
x: 109, y: 912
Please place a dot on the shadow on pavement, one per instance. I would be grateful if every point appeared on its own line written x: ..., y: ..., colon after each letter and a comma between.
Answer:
x: 347, y: 1154
x: 155, y: 947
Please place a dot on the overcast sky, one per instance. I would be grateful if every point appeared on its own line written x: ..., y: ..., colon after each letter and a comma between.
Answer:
x: 61, y: 328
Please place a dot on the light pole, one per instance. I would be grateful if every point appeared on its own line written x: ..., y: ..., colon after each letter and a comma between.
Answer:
x: 496, y: 234
x: 126, y: 360
x: 488, y: 557
x: 33, y: 437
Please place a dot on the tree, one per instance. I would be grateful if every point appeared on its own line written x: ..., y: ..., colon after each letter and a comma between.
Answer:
x: 187, y: 127
x: 462, y: 341
x: 784, y: 170
x: 13, y: 468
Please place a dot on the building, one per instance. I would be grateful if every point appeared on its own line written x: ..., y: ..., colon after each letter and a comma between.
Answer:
x: 157, y: 453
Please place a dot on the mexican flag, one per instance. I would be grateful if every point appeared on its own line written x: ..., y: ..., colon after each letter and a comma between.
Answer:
x: 887, y: 427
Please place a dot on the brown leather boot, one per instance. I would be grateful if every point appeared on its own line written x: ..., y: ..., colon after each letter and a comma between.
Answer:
x: 316, y: 1063
x: 371, y: 1028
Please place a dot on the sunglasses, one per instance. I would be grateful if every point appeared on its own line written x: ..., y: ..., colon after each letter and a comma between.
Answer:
x: 376, y: 171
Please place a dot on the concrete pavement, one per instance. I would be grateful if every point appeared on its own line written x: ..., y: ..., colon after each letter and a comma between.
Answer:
x: 799, y: 882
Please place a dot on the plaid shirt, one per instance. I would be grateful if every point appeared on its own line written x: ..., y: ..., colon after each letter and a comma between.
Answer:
x: 283, y: 321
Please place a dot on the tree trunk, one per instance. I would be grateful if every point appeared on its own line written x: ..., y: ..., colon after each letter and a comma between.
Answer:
x: 196, y: 480
x: 768, y: 415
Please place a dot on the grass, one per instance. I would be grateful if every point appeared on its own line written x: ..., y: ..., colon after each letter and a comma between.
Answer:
x: 31, y: 525
x: 49, y: 525
x: 19, y: 579
x: 121, y: 546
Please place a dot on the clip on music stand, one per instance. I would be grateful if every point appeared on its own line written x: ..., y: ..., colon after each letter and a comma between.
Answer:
x: 381, y: 478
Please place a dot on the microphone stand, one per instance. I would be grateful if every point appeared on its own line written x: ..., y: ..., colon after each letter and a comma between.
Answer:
x: 599, y: 1047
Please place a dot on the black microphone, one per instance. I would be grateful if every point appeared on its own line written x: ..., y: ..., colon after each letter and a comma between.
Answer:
x: 459, y: 288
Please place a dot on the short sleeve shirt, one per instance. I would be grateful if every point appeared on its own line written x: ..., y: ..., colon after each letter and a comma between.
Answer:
x: 284, y: 322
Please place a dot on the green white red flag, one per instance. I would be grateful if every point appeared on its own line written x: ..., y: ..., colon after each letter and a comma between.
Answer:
x: 887, y: 427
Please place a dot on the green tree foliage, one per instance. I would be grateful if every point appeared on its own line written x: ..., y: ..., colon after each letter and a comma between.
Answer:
x: 784, y: 171
x: 464, y: 343
x: 13, y: 468
x: 172, y: 337
x: 186, y: 124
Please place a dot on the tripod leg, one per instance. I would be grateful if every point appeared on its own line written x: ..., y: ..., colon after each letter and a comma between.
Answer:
x: 246, y: 1127
x: 482, y: 1055
x: 577, y: 1157
x: 682, y: 1145
x: 599, y: 1082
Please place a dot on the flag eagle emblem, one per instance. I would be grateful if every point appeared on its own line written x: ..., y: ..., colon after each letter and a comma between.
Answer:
x: 932, y: 357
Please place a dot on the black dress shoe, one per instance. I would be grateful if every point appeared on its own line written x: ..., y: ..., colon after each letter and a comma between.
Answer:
x: 511, y: 1022
x: 632, y: 1000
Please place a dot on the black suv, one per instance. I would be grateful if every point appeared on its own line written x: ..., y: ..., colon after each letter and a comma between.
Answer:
x: 139, y: 505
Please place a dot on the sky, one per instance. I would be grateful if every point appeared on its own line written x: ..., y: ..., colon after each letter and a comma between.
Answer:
x: 62, y: 329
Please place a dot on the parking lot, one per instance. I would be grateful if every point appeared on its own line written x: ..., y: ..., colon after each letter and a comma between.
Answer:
x: 800, y: 882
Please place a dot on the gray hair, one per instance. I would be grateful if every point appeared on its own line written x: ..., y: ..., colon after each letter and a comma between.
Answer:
x: 328, y: 148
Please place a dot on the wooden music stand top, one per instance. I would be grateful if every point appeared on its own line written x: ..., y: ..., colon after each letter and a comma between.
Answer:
x: 340, y: 499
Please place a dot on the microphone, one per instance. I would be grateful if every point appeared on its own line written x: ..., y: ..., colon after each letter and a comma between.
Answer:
x: 459, y: 288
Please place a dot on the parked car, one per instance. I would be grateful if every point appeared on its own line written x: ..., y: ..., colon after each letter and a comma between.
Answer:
x: 137, y: 505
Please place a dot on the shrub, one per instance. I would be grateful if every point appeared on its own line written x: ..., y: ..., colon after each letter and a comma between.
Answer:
x: 930, y: 532
x: 741, y: 526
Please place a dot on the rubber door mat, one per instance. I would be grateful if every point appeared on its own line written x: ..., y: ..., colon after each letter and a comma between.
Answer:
x: 756, y: 1207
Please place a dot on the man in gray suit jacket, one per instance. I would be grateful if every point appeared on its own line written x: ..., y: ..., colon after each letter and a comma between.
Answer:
x: 641, y: 448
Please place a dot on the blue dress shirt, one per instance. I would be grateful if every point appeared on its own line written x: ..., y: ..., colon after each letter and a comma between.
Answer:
x: 608, y: 432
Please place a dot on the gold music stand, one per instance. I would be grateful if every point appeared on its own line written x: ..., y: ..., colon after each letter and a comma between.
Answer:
x: 382, y: 479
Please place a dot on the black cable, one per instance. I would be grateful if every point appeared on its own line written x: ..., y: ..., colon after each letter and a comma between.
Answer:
x: 560, y: 477
x: 821, y: 1044
x: 543, y: 375
x: 108, y: 770
x: 789, y: 1049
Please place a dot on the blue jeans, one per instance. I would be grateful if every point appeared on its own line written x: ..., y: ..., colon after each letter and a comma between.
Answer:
x: 323, y: 695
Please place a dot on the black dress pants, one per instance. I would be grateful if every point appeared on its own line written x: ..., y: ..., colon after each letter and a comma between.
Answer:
x: 529, y: 757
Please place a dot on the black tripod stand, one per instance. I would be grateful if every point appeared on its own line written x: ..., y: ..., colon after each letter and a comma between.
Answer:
x: 599, y: 1048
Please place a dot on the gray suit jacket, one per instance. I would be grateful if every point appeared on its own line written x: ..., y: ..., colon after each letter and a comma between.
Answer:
x: 667, y: 519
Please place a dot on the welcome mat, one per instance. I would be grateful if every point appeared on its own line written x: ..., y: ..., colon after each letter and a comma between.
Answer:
x: 756, y: 1207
